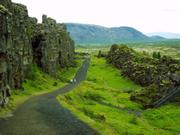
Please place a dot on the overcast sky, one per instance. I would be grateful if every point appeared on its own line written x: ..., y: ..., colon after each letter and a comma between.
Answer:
x: 144, y: 15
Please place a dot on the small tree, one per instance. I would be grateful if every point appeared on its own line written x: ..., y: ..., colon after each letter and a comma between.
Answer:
x: 156, y: 55
x: 99, y: 53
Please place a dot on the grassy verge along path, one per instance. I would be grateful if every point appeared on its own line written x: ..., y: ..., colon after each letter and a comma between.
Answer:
x: 38, y: 83
x: 43, y: 115
x: 102, y: 101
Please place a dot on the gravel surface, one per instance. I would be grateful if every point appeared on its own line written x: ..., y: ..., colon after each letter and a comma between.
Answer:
x: 43, y: 115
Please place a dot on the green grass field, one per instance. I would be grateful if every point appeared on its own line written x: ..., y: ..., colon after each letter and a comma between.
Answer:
x: 102, y: 101
x: 170, y: 48
x: 108, y: 76
x: 172, y: 51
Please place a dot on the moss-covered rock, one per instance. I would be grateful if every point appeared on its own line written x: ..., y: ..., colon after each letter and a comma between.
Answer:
x: 159, y: 76
x: 24, y: 42
x: 52, y: 46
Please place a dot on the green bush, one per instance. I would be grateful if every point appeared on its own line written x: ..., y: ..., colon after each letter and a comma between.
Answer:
x: 133, y: 120
x: 93, y: 115
x: 93, y: 96
x: 33, y: 72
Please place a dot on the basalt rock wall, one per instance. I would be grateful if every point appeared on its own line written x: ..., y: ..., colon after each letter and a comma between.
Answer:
x: 52, y: 46
x: 158, y: 76
x: 24, y: 42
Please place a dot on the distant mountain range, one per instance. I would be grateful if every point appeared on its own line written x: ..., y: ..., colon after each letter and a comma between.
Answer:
x: 167, y: 35
x: 94, y: 34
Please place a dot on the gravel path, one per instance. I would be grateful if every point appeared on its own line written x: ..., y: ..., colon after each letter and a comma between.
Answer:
x: 43, y: 115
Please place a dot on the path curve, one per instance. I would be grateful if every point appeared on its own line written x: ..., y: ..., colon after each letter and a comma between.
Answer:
x: 43, y: 115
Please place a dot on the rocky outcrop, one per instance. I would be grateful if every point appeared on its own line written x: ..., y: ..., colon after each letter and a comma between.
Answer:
x: 24, y: 42
x: 52, y: 46
x: 158, y: 75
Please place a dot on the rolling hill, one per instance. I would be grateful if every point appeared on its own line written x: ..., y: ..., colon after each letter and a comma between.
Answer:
x: 167, y: 35
x: 94, y: 34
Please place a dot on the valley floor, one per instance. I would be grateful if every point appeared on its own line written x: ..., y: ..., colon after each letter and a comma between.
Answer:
x: 38, y: 83
x: 102, y: 101
x: 43, y: 115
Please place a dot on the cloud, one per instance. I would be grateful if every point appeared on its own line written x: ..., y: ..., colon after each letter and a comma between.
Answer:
x: 170, y: 10
x: 144, y: 15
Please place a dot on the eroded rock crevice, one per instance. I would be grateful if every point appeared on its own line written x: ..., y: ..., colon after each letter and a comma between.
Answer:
x: 37, y: 50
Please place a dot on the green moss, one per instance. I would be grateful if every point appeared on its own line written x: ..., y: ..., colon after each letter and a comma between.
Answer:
x: 3, y: 10
x: 165, y: 117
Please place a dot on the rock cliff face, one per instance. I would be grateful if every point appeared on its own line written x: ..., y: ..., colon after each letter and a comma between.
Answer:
x: 24, y: 42
x: 52, y: 46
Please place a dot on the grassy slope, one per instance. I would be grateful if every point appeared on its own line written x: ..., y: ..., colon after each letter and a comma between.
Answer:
x: 103, y: 74
x: 38, y: 83
x: 103, y: 102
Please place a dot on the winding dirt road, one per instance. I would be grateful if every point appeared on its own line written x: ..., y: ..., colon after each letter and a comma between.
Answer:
x: 43, y: 115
